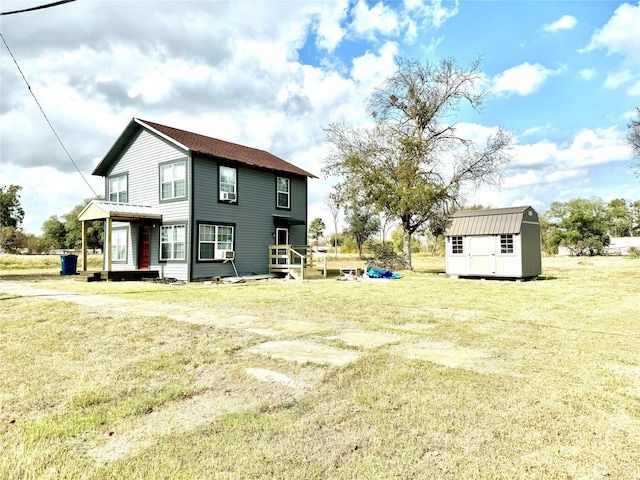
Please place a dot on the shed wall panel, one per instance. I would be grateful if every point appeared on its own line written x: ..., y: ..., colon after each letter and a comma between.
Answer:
x: 531, y: 250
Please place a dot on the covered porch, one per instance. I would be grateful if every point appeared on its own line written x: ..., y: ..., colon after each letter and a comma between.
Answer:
x: 112, y: 212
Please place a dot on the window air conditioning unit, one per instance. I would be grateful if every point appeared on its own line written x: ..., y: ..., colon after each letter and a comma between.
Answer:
x: 228, y: 254
x: 231, y: 197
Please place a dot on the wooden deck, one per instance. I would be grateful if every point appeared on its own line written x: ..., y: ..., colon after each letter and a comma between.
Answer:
x: 116, y: 276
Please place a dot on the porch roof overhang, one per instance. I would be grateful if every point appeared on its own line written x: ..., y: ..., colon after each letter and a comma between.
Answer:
x: 282, y: 221
x: 123, y: 212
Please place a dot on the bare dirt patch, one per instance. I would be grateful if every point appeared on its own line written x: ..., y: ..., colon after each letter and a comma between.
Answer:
x: 305, y: 351
x: 444, y: 353
x: 366, y: 339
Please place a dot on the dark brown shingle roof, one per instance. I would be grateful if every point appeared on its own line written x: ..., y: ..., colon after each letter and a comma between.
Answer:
x: 203, y: 145
x: 227, y: 150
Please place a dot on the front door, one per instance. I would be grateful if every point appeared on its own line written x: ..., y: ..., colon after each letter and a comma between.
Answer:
x: 145, y: 246
x: 282, y: 238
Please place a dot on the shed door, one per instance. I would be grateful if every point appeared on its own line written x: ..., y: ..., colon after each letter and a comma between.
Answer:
x: 482, y: 255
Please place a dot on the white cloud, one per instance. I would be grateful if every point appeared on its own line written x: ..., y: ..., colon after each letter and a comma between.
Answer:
x: 620, y: 34
x: 370, y: 69
x: 546, y: 171
x: 330, y: 28
x: 614, y: 80
x: 567, y: 22
x: 587, y: 73
x: 537, y: 130
x: 523, y: 79
x: 368, y: 22
x: 634, y: 90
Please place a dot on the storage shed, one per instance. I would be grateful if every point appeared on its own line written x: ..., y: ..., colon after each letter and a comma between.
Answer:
x: 498, y: 242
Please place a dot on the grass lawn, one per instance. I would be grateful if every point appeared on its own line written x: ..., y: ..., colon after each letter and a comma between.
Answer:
x: 445, y: 379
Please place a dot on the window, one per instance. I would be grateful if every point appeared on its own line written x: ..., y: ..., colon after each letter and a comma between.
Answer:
x: 173, y: 182
x: 283, y: 192
x: 118, y: 189
x: 214, y: 241
x: 119, y: 245
x: 228, y: 184
x: 456, y: 245
x: 506, y: 243
x: 172, y: 242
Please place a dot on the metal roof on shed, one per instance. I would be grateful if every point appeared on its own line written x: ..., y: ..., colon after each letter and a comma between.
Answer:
x: 492, y: 221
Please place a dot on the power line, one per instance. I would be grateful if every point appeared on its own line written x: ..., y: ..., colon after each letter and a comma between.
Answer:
x: 45, y: 115
x: 39, y: 7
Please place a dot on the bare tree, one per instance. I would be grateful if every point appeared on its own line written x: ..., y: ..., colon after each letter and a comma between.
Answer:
x: 331, y: 201
x: 633, y: 139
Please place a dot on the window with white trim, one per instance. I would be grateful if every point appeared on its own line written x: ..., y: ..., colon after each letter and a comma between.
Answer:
x: 283, y: 192
x: 173, y: 183
x: 506, y: 243
x: 228, y: 184
x: 457, y: 245
x: 214, y: 241
x: 119, y: 244
x: 118, y: 189
x: 173, y: 242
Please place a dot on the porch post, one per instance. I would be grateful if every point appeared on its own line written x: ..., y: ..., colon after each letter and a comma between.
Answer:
x: 84, y: 246
x: 107, y: 236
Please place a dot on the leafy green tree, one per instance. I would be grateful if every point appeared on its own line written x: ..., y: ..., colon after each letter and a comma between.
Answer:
x: 397, y: 240
x: 580, y: 224
x: 11, y: 212
x: 619, y: 217
x: 634, y: 210
x: 414, y: 159
x: 11, y: 216
x: 73, y: 227
x: 362, y: 224
x: 316, y: 228
x: 54, y: 235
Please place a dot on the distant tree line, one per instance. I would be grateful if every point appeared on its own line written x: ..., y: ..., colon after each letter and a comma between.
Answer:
x: 58, y: 233
x: 585, y: 226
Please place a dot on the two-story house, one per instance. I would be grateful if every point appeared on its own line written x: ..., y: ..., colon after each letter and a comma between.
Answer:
x: 184, y: 204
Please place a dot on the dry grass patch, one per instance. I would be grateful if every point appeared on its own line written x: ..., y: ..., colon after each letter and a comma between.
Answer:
x: 447, y: 378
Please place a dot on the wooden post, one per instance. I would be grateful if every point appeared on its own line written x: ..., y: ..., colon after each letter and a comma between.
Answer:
x: 108, y: 239
x: 84, y: 246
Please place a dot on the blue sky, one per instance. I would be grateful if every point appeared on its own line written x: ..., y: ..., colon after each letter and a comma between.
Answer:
x: 564, y: 77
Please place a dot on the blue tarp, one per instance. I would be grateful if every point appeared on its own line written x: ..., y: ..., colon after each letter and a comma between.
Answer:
x: 381, y: 273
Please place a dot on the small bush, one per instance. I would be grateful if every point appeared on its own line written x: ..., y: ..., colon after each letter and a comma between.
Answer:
x: 385, y: 256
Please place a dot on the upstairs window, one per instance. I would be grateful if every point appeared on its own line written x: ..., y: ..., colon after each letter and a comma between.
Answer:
x: 173, y: 182
x: 506, y: 243
x: 228, y: 184
x: 118, y: 189
x: 173, y: 242
x: 215, y: 241
x: 456, y: 245
x: 283, y: 192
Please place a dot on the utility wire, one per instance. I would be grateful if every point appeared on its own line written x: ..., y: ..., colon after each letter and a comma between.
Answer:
x: 45, y: 116
x: 39, y: 7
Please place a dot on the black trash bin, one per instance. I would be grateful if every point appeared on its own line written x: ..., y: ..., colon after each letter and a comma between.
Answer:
x: 68, y: 264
